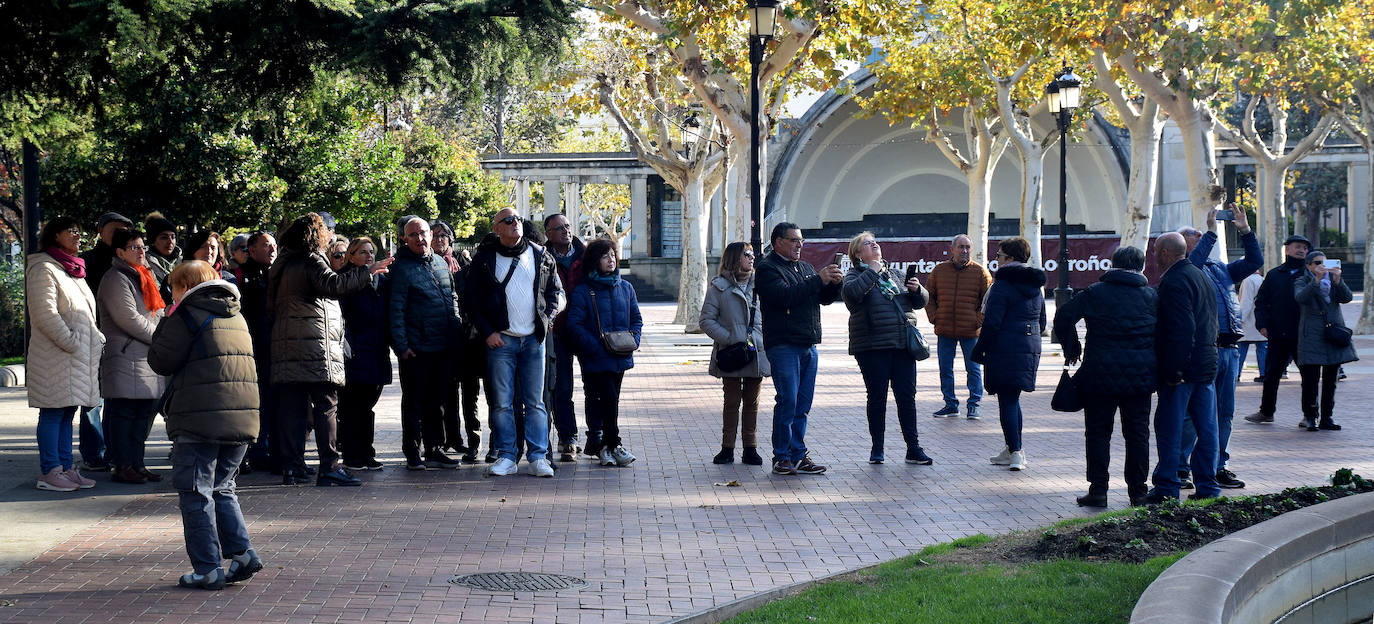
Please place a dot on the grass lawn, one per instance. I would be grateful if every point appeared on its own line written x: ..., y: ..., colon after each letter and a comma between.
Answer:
x: 923, y: 588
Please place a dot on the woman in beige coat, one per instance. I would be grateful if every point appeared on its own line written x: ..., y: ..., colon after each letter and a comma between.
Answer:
x: 130, y: 307
x: 64, y: 349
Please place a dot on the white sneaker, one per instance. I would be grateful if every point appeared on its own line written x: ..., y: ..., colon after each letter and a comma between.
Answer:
x: 605, y: 457
x: 622, y: 456
x: 501, y: 468
x: 1018, y: 460
x: 1003, y: 458
x: 541, y: 468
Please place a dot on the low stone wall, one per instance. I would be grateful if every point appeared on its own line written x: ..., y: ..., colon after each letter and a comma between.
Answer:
x: 11, y: 376
x: 1311, y: 565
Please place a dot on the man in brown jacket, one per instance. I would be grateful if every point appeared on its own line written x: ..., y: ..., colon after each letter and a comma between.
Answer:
x: 957, y: 287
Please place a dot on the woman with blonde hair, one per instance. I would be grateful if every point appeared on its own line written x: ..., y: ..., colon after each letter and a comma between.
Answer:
x: 64, y: 349
x: 212, y: 416
x: 882, y: 312
x: 729, y: 315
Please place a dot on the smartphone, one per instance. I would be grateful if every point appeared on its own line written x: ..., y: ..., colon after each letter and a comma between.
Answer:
x: 1331, y: 263
x: 910, y: 271
x: 839, y: 257
x: 1226, y: 215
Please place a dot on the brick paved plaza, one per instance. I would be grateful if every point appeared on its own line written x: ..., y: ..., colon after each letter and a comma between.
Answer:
x: 654, y: 541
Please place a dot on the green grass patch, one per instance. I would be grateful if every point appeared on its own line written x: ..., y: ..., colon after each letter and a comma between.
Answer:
x: 909, y: 590
x: 18, y: 359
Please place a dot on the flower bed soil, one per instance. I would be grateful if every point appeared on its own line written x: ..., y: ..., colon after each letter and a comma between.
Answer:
x: 1142, y: 533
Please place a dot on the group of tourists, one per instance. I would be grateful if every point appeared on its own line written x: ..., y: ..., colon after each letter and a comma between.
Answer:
x: 293, y: 332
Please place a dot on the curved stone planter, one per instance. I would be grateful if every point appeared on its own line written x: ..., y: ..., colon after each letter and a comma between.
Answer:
x: 1311, y: 565
x: 11, y: 376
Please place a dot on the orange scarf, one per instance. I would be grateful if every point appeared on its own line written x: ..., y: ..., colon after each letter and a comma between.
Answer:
x: 152, y: 299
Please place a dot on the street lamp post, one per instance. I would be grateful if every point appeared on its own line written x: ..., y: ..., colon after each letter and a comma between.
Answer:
x: 1062, y: 95
x: 763, y: 15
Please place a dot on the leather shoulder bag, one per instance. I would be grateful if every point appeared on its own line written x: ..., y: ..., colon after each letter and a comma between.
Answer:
x: 740, y: 354
x: 617, y: 343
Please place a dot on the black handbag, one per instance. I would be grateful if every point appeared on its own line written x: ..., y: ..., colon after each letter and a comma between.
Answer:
x: 1338, y: 335
x: 617, y: 343
x: 736, y: 356
x: 1066, y: 397
x: 916, y: 345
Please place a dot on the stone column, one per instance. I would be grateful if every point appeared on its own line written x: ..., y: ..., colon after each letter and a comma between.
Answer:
x: 1357, y: 203
x: 522, y: 198
x: 552, y: 202
x: 639, y: 217
x: 574, y: 205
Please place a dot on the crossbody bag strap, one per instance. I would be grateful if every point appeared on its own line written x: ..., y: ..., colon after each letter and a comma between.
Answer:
x: 596, y: 310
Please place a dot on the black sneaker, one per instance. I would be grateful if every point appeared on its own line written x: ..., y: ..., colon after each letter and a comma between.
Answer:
x: 784, y: 467
x: 339, y: 476
x: 437, y: 459
x: 1227, y: 479
x: 806, y: 466
x: 918, y: 456
x: 95, y: 466
x: 1185, y: 481
x: 1327, y: 424
x: 1260, y: 418
x: 470, y: 457
x: 367, y: 464
x: 1155, y: 496
x: 948, y: 410
x: 415, y: 464
x: 491, y: 457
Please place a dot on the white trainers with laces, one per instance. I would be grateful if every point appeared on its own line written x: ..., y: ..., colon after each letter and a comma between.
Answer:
x: 1018, y: 460
x: 1003, y: 458
x: 605, y: 458
x: 501, y: 468
x: 541, y: 468
x: 622, y: 456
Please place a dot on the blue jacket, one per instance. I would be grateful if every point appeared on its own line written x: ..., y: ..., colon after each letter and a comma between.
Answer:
x: 423, y: 305
x: 365, y: 329
x: 1186, y: 330
x: 1224, y: 277
x: 619, y: 310
x: 1008, y: 346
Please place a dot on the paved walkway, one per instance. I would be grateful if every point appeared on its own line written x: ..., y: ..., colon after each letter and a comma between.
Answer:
x: 656, y: 540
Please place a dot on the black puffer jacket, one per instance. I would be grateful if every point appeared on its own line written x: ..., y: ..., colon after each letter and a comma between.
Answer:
x: 365, y: 327
x: 214, y: 381
x: 1186, y: 331
x: 1009, y: 346
x: 790, y: 298
x: 874, y: 320
x: 257, y: 312
x: 307, y: 332
x: 1120, y: 312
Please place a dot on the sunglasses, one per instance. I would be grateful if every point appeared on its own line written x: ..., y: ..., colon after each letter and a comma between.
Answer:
x: 513, y: 219
x: 338, y: 255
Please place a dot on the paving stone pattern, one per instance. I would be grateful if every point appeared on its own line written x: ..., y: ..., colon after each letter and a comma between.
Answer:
x: 660, y: 539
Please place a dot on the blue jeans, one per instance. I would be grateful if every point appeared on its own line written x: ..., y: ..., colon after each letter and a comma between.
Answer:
x: 203, y: 474
x: 1228, y: 366
x: 794, y: 379
x: 1009, y: 412
x: 564, y: 416
x: 1196, y: 402
x: 55, y: 438
x: 519, y: 365
x: 945, y: 352
x: 92, y: 435
x: 1261, y: 353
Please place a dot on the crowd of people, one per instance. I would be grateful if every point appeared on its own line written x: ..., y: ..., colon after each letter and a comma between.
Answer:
x: 245, y: 353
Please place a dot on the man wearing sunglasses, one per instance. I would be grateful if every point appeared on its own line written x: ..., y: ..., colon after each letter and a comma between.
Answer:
x: 513, y: 296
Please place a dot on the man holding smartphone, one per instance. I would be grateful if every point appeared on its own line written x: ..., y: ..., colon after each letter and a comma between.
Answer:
x: 957, y: 287
x: 1230, y: 327
x: 1277, y: 315
x: 791, y: 294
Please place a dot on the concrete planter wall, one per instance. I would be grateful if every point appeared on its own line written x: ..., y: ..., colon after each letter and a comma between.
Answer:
x: 11, y: 376
x: 1313, y: 565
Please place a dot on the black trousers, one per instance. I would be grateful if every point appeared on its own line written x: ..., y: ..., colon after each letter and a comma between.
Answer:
x: 1281, y: 352
x: 1326, y: 374
x: 473, y: 365
x: 262, y: 453
x: 301, y: 404
x: 126, y: 423
x: 883, y: 369
x: 1098, y: 415
x: 425, y: 383
x: 358, y: 421
x: 602, y: 394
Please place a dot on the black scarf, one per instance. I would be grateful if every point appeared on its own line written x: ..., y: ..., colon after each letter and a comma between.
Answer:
x: 513, y: 252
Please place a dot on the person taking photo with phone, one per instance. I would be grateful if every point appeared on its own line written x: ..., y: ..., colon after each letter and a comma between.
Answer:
x: 1323, y: 338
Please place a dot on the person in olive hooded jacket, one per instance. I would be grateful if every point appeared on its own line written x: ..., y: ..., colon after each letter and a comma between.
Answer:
x: 212, y: 416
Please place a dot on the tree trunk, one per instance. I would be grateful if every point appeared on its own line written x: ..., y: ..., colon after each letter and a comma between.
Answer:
x: 693, y: 278
x: 1032, y: 196
x: 979, y: 205
x: 1366, y: 323
x: 1272, y: 212
x: 740, y: 204
x: 1140, y: 188
x: 1199, y: 142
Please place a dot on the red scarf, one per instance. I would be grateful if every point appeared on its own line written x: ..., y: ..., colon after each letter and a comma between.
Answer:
x: 74, y: 266
x: 147, y: 284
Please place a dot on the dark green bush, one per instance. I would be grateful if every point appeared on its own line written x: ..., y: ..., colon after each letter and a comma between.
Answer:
x: 11, y: 308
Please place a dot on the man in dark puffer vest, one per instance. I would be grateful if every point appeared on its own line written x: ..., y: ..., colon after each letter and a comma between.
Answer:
x: 1118, y: 369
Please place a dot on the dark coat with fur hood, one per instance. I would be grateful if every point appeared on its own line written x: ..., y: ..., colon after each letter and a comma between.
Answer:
x: 1013, y: 319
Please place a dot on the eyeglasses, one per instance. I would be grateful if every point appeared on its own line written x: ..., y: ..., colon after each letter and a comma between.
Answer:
x: 1002, y: 255
x: 749, y: 254
x: 511, y: 220
x: 561, y: 228
x: 870, y: 243
x: 74, y: 231
x: 338, y: 255
x: 418, y: 234
x: 139, y: 249
x: 797, y: 240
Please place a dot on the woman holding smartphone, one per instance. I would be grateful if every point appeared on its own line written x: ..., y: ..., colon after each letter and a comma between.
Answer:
x: 1320, y: 291
x: 881, y: 307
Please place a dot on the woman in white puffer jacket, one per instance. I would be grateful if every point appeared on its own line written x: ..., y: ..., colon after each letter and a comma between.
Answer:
x: 63, y: 365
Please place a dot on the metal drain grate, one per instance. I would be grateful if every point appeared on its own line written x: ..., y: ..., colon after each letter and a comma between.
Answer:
x: 518, y: 581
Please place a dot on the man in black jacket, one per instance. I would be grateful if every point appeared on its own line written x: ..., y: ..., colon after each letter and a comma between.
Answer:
x: 1276, y: 317
x: 1186, y: 349
x: 98, y: 260
x: 791, y: 294
x: 252, y: 278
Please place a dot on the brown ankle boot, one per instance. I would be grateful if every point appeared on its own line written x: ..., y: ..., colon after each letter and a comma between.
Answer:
x: 127, y: 474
